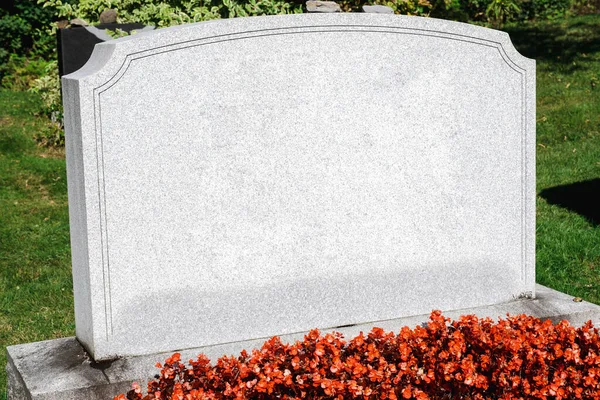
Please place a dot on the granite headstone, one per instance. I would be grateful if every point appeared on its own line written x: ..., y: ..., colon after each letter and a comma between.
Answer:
x: 237, y: 179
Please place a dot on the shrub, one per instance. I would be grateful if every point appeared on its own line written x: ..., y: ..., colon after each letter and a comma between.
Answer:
x: 22, y: 71
x: 48, y: 88
x: 170, y: 12
x: 500, y: 11
x: 582, y: 7
x: 520, y: 357
x: 545, y: 9
x: 24, y: 32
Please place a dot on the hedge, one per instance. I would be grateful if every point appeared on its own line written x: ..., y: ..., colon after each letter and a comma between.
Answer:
x: 520, y: 357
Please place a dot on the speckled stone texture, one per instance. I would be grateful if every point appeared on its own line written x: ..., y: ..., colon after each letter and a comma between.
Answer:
x: 236, y: 179
x: 322, y: 6
x: 378, y: 9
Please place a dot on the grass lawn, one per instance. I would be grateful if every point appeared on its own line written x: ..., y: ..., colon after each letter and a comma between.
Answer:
x: 36, y: 299
x: 36, y: 294
x: 568, y: 151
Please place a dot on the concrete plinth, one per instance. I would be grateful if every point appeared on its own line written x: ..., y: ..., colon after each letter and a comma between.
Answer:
x: 61, y: 369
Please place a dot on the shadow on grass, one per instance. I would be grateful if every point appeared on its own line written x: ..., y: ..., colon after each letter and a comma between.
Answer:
x: 580, y: 197
x: 12, y: 143
x: 556, y: 42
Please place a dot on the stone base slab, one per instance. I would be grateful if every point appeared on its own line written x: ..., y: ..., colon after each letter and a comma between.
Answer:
x: 61, y: 369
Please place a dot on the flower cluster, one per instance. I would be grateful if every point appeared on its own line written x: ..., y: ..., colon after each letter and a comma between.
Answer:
x: 521, y: 357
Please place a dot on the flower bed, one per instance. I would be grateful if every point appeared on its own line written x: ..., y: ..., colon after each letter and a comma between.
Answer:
x: 521, y: 357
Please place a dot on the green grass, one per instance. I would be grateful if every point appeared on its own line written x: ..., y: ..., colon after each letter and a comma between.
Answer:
x: 36, y: 295
x: 568, y: 152
x: 36, y: 300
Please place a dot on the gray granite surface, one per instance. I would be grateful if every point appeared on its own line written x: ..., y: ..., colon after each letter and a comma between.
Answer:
x: 378, y: 9
x: 322, y: 6
x: 237, y: 179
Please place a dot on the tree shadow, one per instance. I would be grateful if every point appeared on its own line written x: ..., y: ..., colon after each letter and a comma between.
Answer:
x: 580, y: 197
x: 556, y: 42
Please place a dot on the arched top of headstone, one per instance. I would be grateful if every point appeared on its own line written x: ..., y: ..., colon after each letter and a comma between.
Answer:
x: 113, y: 57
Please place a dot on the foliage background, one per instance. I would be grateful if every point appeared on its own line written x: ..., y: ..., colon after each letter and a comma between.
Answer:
x: 27, y: 27
x: 28, y: 30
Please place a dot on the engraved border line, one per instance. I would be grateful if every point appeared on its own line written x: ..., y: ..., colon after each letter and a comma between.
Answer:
x: 252, y: 34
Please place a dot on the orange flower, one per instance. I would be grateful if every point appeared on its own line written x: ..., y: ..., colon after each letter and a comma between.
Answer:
x: 516, y: 358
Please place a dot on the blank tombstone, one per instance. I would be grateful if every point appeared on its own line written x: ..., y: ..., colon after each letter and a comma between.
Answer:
x: 243, y: 178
